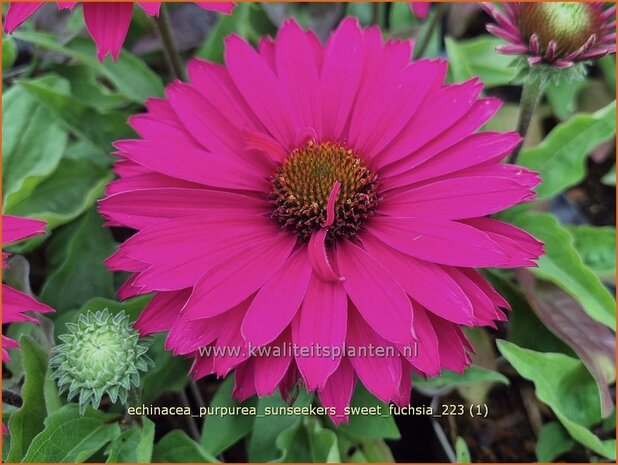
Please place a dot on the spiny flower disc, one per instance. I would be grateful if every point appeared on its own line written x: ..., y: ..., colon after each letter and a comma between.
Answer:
x: 101, y: 354
x: 302, y: 185
x: 569, y: 24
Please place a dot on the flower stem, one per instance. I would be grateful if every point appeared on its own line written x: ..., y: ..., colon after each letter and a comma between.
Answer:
x: 531, y: 95
x: 423, y: 42
x: 378, y: 12
x: 172, y: 57
x: 134, y: 399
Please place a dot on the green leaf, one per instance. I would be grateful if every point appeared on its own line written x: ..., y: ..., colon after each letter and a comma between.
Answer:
x: 9, y: 51
x: 81, y: 272
x: 52, y: 400
x: 237, y: 22
x: 477, y: 57
x: 177, y: 447
x: 563, y: 97
x: 362, y: 11
x: 373, y: 451
x: 473, y: 374
x: 566, y: 386
x: 461, y: 451
x: 266, y: 428
x: 525, y: 329
x: 86, y: 88
x: 553, y: 441
x: 27, y: 422
x: 608, y: 68
x: 560, y: 158
x: 363, y: 426
x: 129, y: 75
x: 594, y: 344
x: 131, y: 307
x: 71, y: 437
x: 610, y: 177
x: 82, y: 120
x: 400, y: 15
x: 221, y: 431
x: 562, y: 266
x: 597, y: 248
x: 133, y: 445
x: 307, y: 441
x: 63, y: 196
x: 169, y: 373
x: 32, y: 143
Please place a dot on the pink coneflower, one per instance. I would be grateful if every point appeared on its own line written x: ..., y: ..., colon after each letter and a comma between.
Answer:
x: 555, y: 33
x: 107, y: 22
x: 14, y: 302
x: 318, y: 195
x: 420, y: 9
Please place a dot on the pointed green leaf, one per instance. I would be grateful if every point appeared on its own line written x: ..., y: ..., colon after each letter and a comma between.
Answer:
x: 553, y: 441
x: 133, y: 445
x: 71, y: 437
x: 560, y: 158
x: 221, y: 431
x: 362, y: 426
x: 177, y: 447
x: 562, y: 265
x: 565, y: 385
x: 81, y: 273
x: 130, y: 75
x: 266, y: 428
x: 32, y: 143
x: 27, y: 422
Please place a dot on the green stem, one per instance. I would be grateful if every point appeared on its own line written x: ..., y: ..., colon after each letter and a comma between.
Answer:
x: 134, y: 399
x: 378, y: 13
x: 530, y: 97
x: 423, y: 41
x: 172, y: 57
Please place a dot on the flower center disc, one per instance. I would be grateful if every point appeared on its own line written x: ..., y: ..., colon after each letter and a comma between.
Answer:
x: 304, y: 181
x: 570, y: 24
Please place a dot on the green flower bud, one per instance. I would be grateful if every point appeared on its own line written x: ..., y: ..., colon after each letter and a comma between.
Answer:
x: 102, y: 354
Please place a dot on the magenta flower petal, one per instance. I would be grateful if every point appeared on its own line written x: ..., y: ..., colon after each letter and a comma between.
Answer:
x: 17, y: 13
x: 235, y: 279
x: 338, y: 390
x: 151, y: 8
x: 426, y: 358
x: 322, y: 321
x: 272, y: 369
x: 420, y: 9
x: 15, y: 228
x: 161, y: 311
x: 376, y: 294
x: 318, y: 195
x: 277, y: 301
x: 140, y: 208
x: 221, y: 7
x: 440, y: 241
x: 108, y: 24
x: 425, y: 282
x: 14, y: 302
x: 381, y: 375
x: 478, y: 196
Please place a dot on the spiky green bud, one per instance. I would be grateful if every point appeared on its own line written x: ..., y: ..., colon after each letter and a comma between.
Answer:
x: 102, y: 354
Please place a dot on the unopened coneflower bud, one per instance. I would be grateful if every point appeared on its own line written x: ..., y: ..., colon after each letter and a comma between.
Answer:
x: 102, y: 354
x: 559, y: 34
